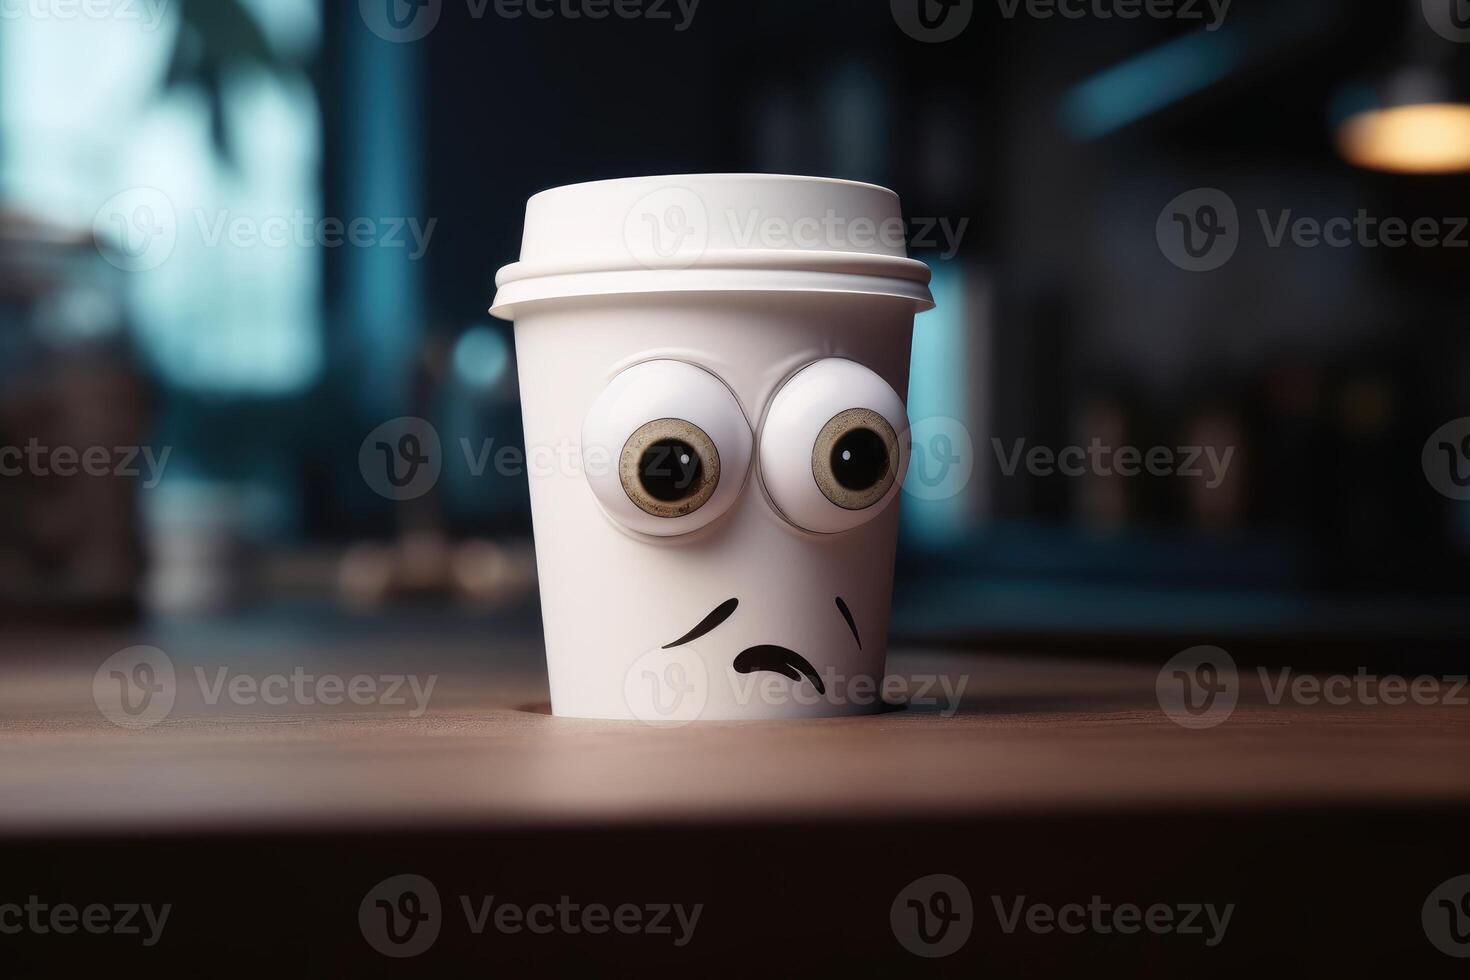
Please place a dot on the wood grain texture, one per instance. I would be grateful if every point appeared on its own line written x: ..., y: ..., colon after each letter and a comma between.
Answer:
x: 1032, y: 734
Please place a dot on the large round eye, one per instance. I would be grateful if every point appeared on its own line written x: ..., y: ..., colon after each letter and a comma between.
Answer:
x: 666, y: 448
x: 831, y: 454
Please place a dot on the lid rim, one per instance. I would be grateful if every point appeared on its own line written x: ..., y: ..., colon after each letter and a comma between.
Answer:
x: 773, y: 260
x: 517, y: 295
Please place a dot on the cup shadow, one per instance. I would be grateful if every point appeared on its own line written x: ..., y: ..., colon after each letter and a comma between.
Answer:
x: 544, y: 708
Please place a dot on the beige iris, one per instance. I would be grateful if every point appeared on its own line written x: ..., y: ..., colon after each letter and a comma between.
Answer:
x: 649, y: 453
x: 875, y: 433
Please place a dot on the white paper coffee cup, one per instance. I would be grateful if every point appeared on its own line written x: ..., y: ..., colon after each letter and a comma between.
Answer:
x: 712, y: 374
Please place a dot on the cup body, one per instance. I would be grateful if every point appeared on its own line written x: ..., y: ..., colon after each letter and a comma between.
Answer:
x: 614, y: 600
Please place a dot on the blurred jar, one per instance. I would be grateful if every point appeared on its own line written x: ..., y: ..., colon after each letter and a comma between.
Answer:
x: 73, y: 408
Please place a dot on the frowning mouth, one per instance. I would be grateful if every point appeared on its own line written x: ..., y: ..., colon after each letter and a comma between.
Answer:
x: 781, y: 661
x: 777, y: 659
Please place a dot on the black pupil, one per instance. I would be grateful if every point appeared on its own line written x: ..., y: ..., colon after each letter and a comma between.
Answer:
x: 669, y: 470
x: 860, y: 459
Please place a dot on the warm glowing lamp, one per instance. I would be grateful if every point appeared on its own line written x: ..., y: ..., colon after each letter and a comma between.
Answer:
x: 1415, y: 120
x: 1411, y: 124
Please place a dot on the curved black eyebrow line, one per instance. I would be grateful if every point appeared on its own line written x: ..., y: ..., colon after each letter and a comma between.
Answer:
x: 721, y: 613
x: 847, y: 615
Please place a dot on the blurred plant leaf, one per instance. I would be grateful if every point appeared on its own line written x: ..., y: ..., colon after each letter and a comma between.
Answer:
x: 216, y: 37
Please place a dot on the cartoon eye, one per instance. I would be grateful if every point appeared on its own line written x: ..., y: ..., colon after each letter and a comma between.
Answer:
x: 666, y: 448
x: 831, y: 454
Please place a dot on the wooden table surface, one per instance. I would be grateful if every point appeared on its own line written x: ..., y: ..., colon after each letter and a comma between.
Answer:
x: 1057, y: 777
x: 1043, y: 733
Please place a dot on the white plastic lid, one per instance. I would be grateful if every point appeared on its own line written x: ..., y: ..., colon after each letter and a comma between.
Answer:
x: 712, y: 232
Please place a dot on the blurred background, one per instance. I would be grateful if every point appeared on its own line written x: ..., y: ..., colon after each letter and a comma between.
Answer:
x: 240, y: 235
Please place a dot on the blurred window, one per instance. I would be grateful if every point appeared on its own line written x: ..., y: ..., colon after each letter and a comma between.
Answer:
x: 96, y: 131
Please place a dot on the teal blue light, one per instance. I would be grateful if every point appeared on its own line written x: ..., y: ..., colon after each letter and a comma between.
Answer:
x: 939, y: 387
x: 1143, y: 85
x: 383, y: 289
x: 481, y: 357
